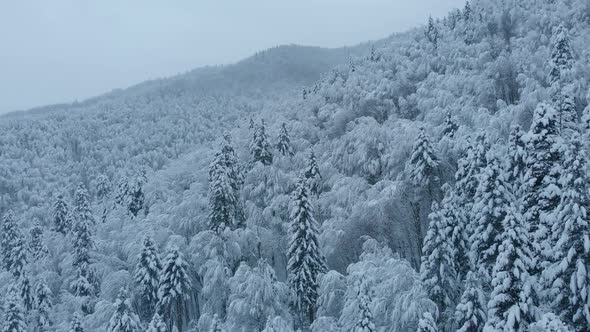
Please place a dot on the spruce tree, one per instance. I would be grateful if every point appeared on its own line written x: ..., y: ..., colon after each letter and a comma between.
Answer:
x: 26, y: 292
x: 366, y: 322
x: 36, y: 245
x: 81, y: 285
x: 123, y: 319
x: 517, y: 159
x: 174, y: 290
x: 103, y: 189
x: 61, y: 216
x: 82, y: 240
x: 437, y: 270
x: 147, y: 274
x: 305, y: 260
x: 14, y: 317
x: 565, y: 105
x: 82, y: 209
x: 284, y: 144
x: 427, y: 323
x: 561, y: 56
x: 586, y: 116
x: 122, y: 194
x: 157, y: 324
x: 423, y: 163
x: 136, y: 196
x: 541, y: 191
x: 312, y: 173
x: 76, y: 324
x: 470, y: 313
x: 43, y: 304
x: 261, y: 148
x: 459, y: 241
x: 10, y: 236
x: 570, y: 273
x: 450, y: 127
x: 432, y: 33
x: 225, y: 182
x: 512, y: 302
x: 467, y: 11
x: 18, y: 256
x: 493, y: 200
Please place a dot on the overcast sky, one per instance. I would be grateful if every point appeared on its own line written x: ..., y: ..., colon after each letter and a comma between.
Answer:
x: 65, y: 50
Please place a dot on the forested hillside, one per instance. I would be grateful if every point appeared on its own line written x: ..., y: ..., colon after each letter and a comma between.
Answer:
x: 436, y: 180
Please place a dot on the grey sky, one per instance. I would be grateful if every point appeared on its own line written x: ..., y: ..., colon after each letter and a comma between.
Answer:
x: 62, y: 50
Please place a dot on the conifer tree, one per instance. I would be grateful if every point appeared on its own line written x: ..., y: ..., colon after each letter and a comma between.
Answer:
x: 82, y: 209
x: 43, y: 304
x: 565, y: 105
x: 542, y: 192
x: 570, y: 273
x: 82, y: 240
x: 512, y: 302
x: 157, y: 324
x: 261, y: 148
x: 122, y: 194
x: 103, y: 189
x: 305, y: 260
x: 312, y: 173
x: 225, y: 182
x: 467, y: 11
x: 136, y: 196
x: 36, y: 245
x: 586, y: 116
x: 437, y: 270
x: 427, y: 323
x: 365, y: 322
x: 123, y: 319
x: 25, y: 292
x: 470, y: 314
x: 492, y: 205
x: 450, y: 127
x: 147, y: 274
x: 284, y: 144
x: 76, y: 324
x: 61, y: 216
x: 517, y: 159
x: 432, y: 33
x: 14, y: 317
x: 10, y: 236
x: 81, y: 286
x: 174, y: 290
x: 423, y: 163
x: 18, y: 256
x: 561, y: 56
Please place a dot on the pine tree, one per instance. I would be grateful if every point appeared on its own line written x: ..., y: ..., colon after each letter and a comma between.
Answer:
x: 174, y: 290
x: 312, y: 173
x: 14, y: 317
x: 25, y: 292
x: 570, y: 274
x: 427, y: 323
x: 542, y: 192
x: 261, y: 148
x: 492, y: 205
x: 10, y: 235
x: 305, y: 260
x: 157, y: 324
x: 36, y: 245
x: 512, y: 303
x: 82, y: 209
x: 147, y: 273
x: 225, y: 182
x: 61, y: 216
x: 365, y: 322
x: 470, y: 314
x: 43, y: 304
x: 76, y: 324
x: 437, y: 270
x: 284, y: 144
x: 123, y: 319
x: 561, y: 56
x: 423, y: 163
x: 432, y: 33
x: 450, y: 126
x: 18, y: 256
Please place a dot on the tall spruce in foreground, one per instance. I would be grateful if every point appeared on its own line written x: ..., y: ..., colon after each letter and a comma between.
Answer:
x: 471, y: 311
x: 123, y: 319
x: 225, y: 181
x: 284, y: 144
x: 174, y: 290
x: 513, y: 303
x: 570, y: 274
x: 147, y: 274
x: 76, y: 324
x: 541, y: 191
x: 437, y: 270
x: 261, y: 148
x: 305, y: 260
x: 492, y: 204
x: 62, y: 222
x: 423, y: 163
x: 14, y: 317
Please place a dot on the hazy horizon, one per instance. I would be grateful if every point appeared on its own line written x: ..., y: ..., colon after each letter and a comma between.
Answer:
x: 71, y: 51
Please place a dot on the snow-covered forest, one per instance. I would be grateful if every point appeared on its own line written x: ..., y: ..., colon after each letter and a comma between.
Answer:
x: 435, y: 180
